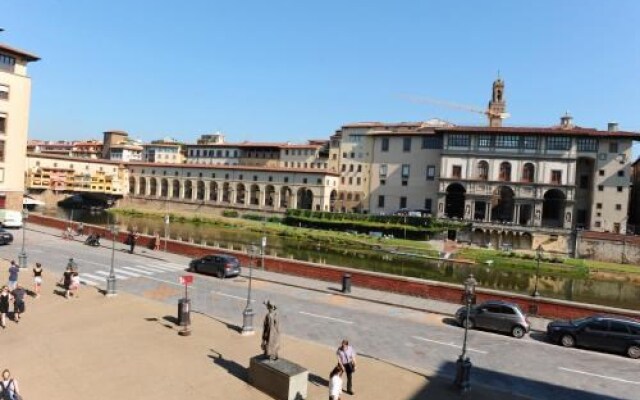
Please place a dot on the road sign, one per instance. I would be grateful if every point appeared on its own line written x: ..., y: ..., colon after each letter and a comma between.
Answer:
x: 186, y: 280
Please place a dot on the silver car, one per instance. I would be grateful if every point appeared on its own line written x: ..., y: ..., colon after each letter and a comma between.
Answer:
x: 496, y: 315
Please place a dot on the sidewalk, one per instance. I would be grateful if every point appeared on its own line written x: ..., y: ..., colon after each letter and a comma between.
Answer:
x: 127, y: 347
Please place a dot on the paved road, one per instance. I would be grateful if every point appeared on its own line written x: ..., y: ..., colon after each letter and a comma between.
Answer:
x: 408, y: 338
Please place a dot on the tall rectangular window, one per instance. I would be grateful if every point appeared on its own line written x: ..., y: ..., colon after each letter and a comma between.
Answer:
x: 1, y: 150
x: 383, y: 171
x: 556, y: 177
x: 456, y: 171
x: 406, y: 145
x: 381, y: 201
x: 3, y: 123
x: 459, y: 140
x: 4, y: 92
x: 431, y: 172
x: 403, y: 202
x: 613, y: 147
x: 427, y: 205
x: 507, y: 141
x: 558, y: 143
x: 485, y: 141
x: 384, y: 144
x: 530, y: 142
x: 406, y: 170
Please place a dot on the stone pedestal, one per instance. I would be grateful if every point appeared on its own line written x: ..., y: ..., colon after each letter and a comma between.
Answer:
x: 281, y: 379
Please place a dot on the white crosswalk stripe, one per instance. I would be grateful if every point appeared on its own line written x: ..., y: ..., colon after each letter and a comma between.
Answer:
x: 138, y: 270
x: 176, y: 267
x: 120, y: 277
x: 151, y: 269
x: 90, y: 281
x: 160, y: 267
x: 127, y: 273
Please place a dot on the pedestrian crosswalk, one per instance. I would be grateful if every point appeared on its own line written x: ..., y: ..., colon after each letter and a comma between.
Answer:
x: 124, y: 272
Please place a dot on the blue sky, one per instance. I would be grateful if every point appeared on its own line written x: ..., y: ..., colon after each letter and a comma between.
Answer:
x: 294, y: 70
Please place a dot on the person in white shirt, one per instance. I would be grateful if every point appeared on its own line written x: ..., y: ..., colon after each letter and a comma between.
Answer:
x: 347, y: 361
x: 335, y: 383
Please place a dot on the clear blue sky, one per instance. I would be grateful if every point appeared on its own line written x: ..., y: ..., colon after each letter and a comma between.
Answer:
x: 294, y: 70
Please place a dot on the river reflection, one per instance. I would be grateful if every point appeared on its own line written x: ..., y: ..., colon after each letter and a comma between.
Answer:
x: 621, y: 294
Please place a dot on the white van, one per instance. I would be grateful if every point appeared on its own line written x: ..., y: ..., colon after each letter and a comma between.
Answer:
x: 11, y: 219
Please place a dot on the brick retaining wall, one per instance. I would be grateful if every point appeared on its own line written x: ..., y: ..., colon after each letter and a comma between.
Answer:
x: 549, y: 308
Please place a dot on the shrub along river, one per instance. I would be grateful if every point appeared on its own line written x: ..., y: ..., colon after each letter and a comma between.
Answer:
x: 617, y: 290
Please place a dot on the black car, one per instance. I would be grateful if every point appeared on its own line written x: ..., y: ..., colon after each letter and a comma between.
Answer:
x: 5, y: 237
x: 614, y: 334
x: 220, y: 265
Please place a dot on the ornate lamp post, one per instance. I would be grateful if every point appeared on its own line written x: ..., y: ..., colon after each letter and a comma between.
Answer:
x: 248, y: 313
x: 539, y: 251
x: 463, y: 364
x: 111, y: 279
x: 22, y: 257
x: 263, y: 246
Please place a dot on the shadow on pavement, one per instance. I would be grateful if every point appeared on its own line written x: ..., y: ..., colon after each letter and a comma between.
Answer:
x: 235, y: 328
x: 171, y: 319
x: 492, y: 385
x: 450, y: 321
x: 154, y: 319
x: 230, y: 366
x: 318, y: 380
x: 538, y: 337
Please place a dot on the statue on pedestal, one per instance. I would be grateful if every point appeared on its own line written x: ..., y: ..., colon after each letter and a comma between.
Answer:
x: 271, y: 332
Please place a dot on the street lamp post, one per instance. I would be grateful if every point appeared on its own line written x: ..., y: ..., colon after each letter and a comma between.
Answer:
x: 263, y: 246
x: 463, y: 364
x: 247, y: 314
x: 535, y: 286
x: 111, y: 279
x: 22, y: 257
x: 167, y: 220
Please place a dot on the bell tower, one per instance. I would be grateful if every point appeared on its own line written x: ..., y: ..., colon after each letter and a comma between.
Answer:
x: 497, y: 105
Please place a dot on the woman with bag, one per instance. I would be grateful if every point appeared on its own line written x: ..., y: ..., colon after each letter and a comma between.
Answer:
x: 9, y: 387
x: 37, y: 279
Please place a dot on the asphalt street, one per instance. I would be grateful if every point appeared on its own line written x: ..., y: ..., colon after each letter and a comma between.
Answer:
x: 416, y: 340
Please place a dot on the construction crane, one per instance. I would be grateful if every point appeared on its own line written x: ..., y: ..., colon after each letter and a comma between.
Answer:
x: 456, y: 106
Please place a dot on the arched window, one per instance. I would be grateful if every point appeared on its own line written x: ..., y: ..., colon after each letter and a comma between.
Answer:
x: 505, y: 172
x: 528, y: 172
x: 483, y: 170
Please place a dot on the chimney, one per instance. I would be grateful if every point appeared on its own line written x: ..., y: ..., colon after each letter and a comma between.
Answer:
x: 612, y: 127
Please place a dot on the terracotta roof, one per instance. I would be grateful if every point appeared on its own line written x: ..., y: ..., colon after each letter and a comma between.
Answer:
x: 18, y: 52
x: 610, y: 237
x: 555, y: 130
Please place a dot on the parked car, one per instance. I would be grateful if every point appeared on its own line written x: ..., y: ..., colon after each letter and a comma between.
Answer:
x: 5, y: 237
x: 220, y: 265
x: 496, y: 315
x: 11, y: 218
x: 614, y: 334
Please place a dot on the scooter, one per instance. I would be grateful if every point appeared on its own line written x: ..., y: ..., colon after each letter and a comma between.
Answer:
x: 93, y: 240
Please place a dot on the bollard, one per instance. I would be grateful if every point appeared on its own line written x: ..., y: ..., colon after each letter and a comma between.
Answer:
x: 346, y: 283
x: 184, y: 312
x: 463, y: 374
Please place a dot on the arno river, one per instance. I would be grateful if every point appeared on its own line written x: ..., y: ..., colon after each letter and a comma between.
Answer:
x: 620, y: 292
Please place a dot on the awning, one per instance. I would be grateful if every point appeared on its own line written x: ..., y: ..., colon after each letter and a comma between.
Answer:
x: 26, y: 201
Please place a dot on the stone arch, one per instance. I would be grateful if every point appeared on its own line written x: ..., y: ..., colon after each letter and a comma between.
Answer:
x: 143, y: 186
x: 454, y: 201
x: 188, y: 190
x: 213, y: 191
x: 482, y: 170
x: 502, y: 204
x: 254, y: 194
x: 175, y: 189
x: 164, y: 188
x: 226, y: 192
x: 270, y: 196
x: 505, y: 171
x: 528, y: 172
x: 241, y: 193
x: 153, y: 187
x: 305, y: 199
x: 132, y: 185
x: 200, y: 190
x: 553, y: 208
x: 285, y: 197
x: 332, y: 199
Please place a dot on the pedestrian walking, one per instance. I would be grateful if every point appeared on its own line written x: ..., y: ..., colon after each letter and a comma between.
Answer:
x: 5, y: 297
x: 18, y: 302
x: 37, y: 279
x: 347, y: 361
x: 9, y: 387
x: 131, y: 241
x: 14, y: 270
x: 65, y: 281
x: 80, y: 229
x: 72, y: 264
x: 335, y: 383
x: 156, y: 240
x: 75, y: 285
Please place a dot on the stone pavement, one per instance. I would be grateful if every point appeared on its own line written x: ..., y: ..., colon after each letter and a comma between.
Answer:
x: 127, y: 347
